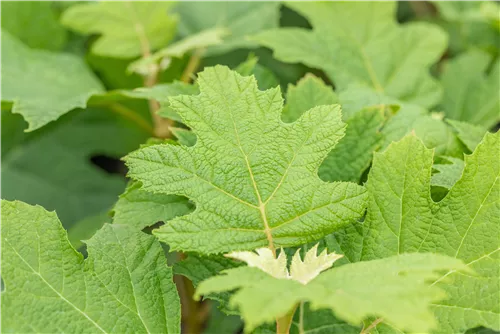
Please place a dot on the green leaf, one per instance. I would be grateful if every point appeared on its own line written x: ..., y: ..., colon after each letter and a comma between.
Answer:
x: 184, y: 136
x: 239, y: 18
x: 141, y: 209
x: 85, y: 229
x: 470, y: 135
x: 346, y: 42
x: 199, y: 268
x: 448, y: 173
x: 43, y: 85
x: 222, y: 323
x: 430, y: 128
x: 469, y: 24
x: 319, y: 322
x: 123, y: 285
x: 309, y: 92
x: 278, y: 199
x: 398, y: 291
x: 52, y: 166
x: 34, y: 23
x: 162, y: 92
x: 403, y: 218
x: 197, y: 43
x: 265, y: 77
x: 128, y: 29
x: 353, y: 155
x: 470, y: 93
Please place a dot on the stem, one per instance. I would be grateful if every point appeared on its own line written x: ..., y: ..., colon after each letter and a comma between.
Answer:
x: 162, y: 125
x: 284, y: 323
x: 301, y: 318
x: 372, y: 326
x: 194, y: 314
x: 126, y: 113
x: 192, y: 65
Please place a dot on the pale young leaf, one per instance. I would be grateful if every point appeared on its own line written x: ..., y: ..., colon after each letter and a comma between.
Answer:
x: 398, y: 290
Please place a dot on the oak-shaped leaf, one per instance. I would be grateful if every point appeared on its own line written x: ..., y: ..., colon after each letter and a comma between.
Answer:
x: 465, y: 224
x: 252, y: 177
x: 123, y: 286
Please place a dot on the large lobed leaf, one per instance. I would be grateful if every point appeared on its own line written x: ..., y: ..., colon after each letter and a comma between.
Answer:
x: 402, y: 218
x: 346, y: 42
x: 398, y: 290
x: 43, y: 85
x: 128, y: 29
x: 124, y: 285
x: 252, y: 177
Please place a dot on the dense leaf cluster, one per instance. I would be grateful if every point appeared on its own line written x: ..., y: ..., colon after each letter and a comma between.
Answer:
x: 301, y: 167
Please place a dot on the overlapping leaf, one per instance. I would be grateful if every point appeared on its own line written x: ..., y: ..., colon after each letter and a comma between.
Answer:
x: 43, y: 85
x: 470, y: 24
x: 470, y: 93
x: 346, y: 42
x: 398, y: 291
x: 34, y: 23
x: 52, y: 167
x: 142, y: 209
x: 240, y: 18
x: 127, y: 28
x: 403, y: 218
x: 352, y: 156
x: 253, y: 178
x: 124, y: 285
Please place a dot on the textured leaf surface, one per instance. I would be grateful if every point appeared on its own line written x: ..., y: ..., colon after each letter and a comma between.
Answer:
x: 470, y: 135
x: 52, y: 167
x: 240, y: 18
x: 253, y: 178
x: 127, y: 28
x: 34, y: 23
x: 470, y: 94
x: 398, y: 291
x: 346, y: 41
x: 140, y: 209
x: 402, y: 218
x: 348, y: 160
x: 309, y: 92
x: 111, y: 291
x: 43, y: 85
x: 353, y: 155
x: 85, y: 229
